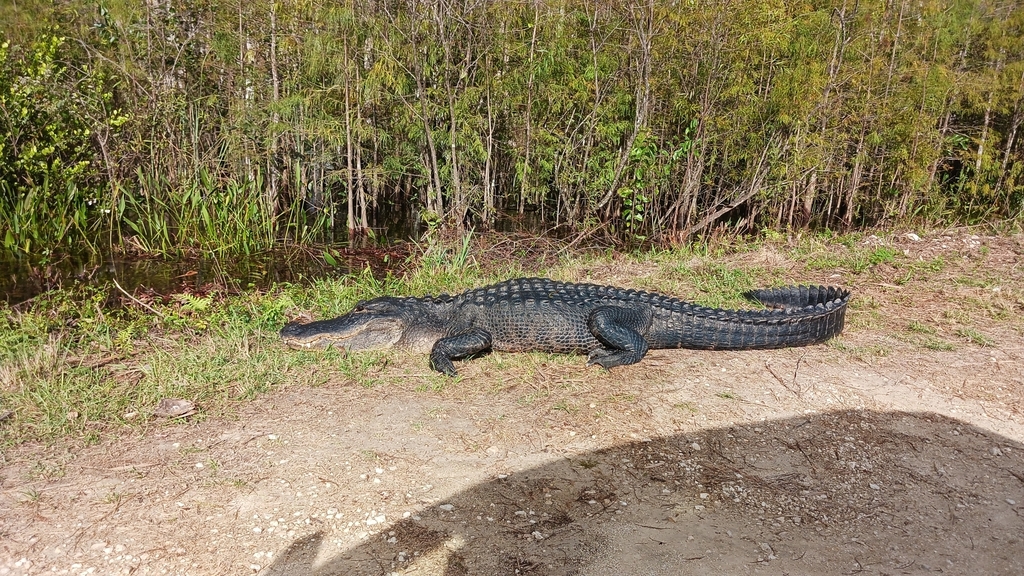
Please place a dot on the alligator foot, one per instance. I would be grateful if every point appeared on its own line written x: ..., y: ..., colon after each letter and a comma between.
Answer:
x: 606, y: 358
x: 472, y: 341
x: 616, y: 328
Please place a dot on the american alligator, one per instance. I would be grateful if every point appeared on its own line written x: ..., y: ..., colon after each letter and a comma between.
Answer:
x: 612, y: 325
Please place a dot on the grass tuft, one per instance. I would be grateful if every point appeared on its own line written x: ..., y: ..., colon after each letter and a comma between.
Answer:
x: 975, y: 337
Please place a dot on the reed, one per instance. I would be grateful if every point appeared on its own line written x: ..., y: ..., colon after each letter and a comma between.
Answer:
x: 210, y: 216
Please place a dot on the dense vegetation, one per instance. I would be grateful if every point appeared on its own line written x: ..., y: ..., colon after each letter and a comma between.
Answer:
x: 232, y: 125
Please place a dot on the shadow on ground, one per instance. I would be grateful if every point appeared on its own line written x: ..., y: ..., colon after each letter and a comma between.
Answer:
x: 851, y: 492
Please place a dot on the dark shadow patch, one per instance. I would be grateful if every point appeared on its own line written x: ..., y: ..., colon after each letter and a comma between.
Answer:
x: 845, y: 492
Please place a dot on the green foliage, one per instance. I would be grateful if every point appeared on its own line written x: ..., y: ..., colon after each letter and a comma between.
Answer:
x: 50, y: 167
x: 204, y: 214
x: 230, y: 128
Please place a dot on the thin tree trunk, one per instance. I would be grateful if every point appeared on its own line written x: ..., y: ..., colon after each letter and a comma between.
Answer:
x: 458, y: 197
x: 855, y: 178
x: 436, y: 203
x: 363, y: 224
x: 275, y: 116
x: 1018, y: 117
x: 842, y: 39
x: 644, y: 29
x: 525, y: 177
x: 984, y: 136
x: 350, y: 222
x: 488, y: 216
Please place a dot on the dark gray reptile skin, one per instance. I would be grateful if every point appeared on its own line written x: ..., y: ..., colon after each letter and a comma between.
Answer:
x: 612, y: 325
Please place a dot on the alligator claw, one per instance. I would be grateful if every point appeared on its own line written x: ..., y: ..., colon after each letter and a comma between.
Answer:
x: 443, y: 365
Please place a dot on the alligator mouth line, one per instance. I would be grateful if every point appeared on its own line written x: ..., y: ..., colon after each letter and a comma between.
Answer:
x: 320, y: 341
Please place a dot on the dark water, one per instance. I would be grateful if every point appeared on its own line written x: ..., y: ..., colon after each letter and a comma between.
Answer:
x: 22, y: 280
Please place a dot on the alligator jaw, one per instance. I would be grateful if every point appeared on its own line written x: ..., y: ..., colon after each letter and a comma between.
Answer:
x: 353, y: 331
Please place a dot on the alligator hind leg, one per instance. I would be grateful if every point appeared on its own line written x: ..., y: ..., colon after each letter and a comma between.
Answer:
x: 472, y: 341
x: 617, y: 328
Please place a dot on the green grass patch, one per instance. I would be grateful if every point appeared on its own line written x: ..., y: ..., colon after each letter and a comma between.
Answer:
x: 865, y: 353
x: 923, y: 335
x: 686, y: 407
x: 722, y: 286
x: 975, y: 337
x: 856, y: 259
x: 69, y: 368
x: 565, y: 406
x: 937, y: 344
x: 920, y: 327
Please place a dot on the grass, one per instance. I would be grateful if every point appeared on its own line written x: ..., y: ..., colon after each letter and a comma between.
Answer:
x: 926, y: 336
x: 207, y: 215
x: 975, y: 337
x: 70, y: 368
x: 73, y: 368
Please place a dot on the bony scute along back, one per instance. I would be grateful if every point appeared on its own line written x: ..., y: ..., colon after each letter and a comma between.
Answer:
x: 613, y: 326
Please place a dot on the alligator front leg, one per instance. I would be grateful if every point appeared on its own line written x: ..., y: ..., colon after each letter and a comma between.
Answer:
x: 472, y: 341
x: 617, y: 328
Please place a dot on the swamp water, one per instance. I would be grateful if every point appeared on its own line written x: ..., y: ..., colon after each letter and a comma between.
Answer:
x: 22, y: 279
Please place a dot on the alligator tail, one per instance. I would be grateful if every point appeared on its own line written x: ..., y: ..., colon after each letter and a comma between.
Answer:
x: 796, y: 316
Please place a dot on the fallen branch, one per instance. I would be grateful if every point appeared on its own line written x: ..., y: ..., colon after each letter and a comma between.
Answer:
x: 136, y: 300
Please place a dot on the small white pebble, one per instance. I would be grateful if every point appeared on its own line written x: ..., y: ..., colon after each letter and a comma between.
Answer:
x: 874, y: 486
x: 446, y: 507
x: 537, y: 535
x: 1011, y: 501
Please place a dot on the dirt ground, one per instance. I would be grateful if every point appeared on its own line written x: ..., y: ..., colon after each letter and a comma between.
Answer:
x: 881, y: 454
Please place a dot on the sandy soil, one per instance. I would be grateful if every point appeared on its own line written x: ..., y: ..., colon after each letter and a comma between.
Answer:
x: 876, y: 455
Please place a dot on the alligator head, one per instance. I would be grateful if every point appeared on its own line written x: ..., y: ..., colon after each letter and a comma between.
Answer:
x: 384, y: 322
